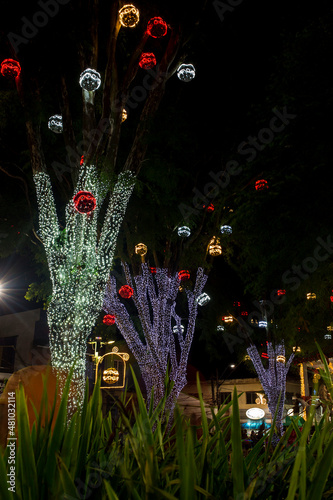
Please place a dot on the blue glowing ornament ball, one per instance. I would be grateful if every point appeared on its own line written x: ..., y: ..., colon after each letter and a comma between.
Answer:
x: 184, y: 231
x: 226, y: 229
x: 186, y: 72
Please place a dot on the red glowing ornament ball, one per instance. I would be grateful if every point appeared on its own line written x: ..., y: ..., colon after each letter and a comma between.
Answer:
x: 84, y: 202
x: 209, y: 208
x: 244, y: 313
x: 261, y: 184
x: 109, y: 319
x: 10, y: 68
x: 265, y: 355
x: 82, y: 161
x: 281, y: 292
x: 331, y: 298
x: 147, y: 60
x: 184, y: 275
x: 237, y: 303
x: 153, y: 270
x: 156, y: 27
x: 126, y: 292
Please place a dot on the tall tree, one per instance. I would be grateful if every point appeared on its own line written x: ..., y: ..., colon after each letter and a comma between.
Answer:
x: 160, y: 342
x: 80, y: 245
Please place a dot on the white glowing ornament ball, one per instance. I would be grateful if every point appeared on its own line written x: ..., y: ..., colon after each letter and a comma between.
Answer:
x: 226, y: 229
x: 175, y: 329
x: 220, y: 328
x: 184, y: 231
x: 327, y: 336
x: 186, y: 72
x: 90, y: 80
x: 262, y: 324
x: 203, y: 299
x: 55, y: 124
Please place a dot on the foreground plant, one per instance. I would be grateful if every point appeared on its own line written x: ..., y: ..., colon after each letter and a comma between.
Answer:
x: 137, y: 457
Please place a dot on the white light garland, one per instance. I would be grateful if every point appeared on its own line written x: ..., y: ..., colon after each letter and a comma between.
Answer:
x: 79, y: 263
x: 166, y: 340
x: 273, y: 378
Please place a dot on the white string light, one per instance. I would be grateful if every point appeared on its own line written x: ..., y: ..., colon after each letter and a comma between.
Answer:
x: 79, y: 263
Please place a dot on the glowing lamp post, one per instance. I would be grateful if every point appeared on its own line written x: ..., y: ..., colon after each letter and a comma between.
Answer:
x: 129, y: 16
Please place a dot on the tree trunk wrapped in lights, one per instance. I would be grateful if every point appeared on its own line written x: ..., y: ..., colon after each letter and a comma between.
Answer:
x: 165, y: 345
x: 273, y: 378
x: 79, y: 262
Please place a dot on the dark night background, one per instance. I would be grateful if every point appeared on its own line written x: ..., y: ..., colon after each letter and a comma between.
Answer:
x: 263, y: 55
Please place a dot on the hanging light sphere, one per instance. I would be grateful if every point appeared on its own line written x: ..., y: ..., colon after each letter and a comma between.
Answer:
x: 184, y: 275
x: 10, y: 68
x: 126, y: 292
x: 281, y: 292
x: 184, y: 231
x: 244, y: 313
x: 110, y: 376
x: 55, y: 124
x: 175, y: 329
x: 84, y: 202
x: 123, y: 115
x: 186, y: 72
x: 226, y: 229
x: 90, y: 79
x: 203, y: 299
x: 109, y: 319
x: 153, y: 270
x: 311, y: 296
x: 209, y: 208
x: 214, y: 247
x: 328, y: 336
x: 156, y: 27
x: 280, y: 359
x: 227, y: 319
x: 147, y: 60
x: 141, y: 249
x: 261, y: 184
x: 129, y: 16
x: 262, y: 324
x: 220, y: 328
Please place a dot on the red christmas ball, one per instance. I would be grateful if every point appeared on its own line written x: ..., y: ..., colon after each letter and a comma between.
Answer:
x: 261, y: 184
x: 156, y: 27
x: 147, y: 60
x: 10, y: 68
x: 84, y: 202
x: 153, y: 270
x: 184, y: 275
x: 126, y: 292
x: 109, y: 319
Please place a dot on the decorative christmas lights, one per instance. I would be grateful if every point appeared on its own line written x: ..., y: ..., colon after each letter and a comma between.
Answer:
x: 214, y: 247
x: 147, y: 60
x: 184, y: 275
x: 110, y: 375
x: 209, y: 208
x: 262, y: 324
x: 140, y: 249
x: 84, y: 202
x: 226, y: 229
x: 126, y: 292
x: 327, y: 336
x: 227, y: 319
x: 186, y: 72
x: 129, y: 16
x: 55, y: 124
x: 153, y: 270
x: 123, y: 115
x: 109, y: 319
x: 281, y: 292
x: 311, y: 296
x: 79, y: 259
x: 220, y: 328
x: 10, y: 68
x: 156, y: 27
x: 184, y: 231
x: 273, y: 378
x: 90, y: 79
x: 261, y: 184
x: 165, y: 342
x: 203, y: 299
x: 244, y: 313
